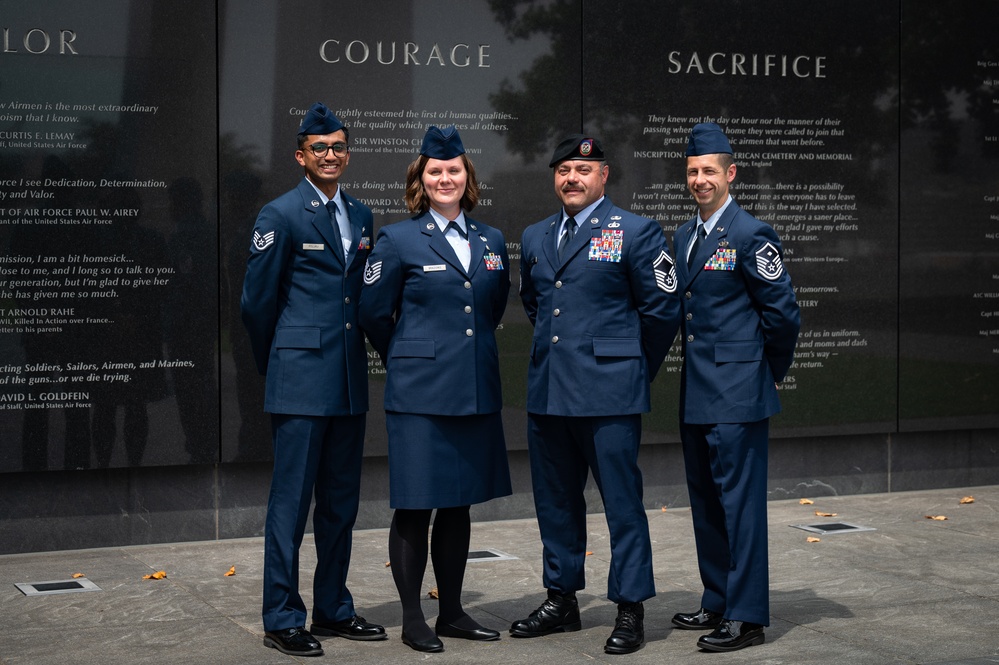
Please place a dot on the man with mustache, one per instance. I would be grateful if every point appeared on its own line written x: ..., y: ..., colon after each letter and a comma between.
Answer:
x: 598, y: 284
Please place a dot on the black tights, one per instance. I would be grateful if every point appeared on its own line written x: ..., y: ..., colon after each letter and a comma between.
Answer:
x: 448, y: 551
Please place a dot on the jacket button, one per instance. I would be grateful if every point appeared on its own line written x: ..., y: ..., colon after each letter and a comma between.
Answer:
x: 468, y: 309
x: 558, y: 284
x: 557, y: 312
x: 348, y: 326
x: 555, y: 339
x: 468, y: 285
x: 468, y: 333
x: 690, y: 338
x: 347, y: 300
x: 687, y: 295
x: 689, y: 316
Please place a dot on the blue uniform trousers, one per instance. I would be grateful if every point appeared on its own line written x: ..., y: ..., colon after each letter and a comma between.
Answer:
x: 726, y: 467
x: 320, y: 455
x: 562, y: 450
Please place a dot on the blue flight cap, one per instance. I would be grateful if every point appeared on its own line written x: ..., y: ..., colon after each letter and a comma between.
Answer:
x: 577, y: 146
x: 442, y: 143
x: 319, y: 120
x: 707, y: 138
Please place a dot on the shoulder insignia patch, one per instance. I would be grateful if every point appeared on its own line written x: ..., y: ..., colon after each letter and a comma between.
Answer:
x: 768, y: 262
x: 372, y: 272
x: 262, y: 242
x: 665, y: 272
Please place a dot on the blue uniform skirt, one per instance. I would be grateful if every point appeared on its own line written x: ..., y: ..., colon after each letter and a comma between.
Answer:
x: 445, y: 461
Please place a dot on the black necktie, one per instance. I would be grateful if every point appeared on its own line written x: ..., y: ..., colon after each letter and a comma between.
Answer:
x: 332, y: 208
x: 696, y: 245
x: 454, y: 225
x: 570, y: 230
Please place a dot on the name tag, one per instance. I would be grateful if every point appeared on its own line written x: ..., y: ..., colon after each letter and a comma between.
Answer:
x: 313, y: 246
x: 435, y: 268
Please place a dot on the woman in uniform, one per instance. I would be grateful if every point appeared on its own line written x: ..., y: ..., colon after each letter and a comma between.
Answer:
x: 435, y: 289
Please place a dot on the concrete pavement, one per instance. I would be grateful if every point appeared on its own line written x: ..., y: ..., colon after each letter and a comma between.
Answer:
x: 914, y: 590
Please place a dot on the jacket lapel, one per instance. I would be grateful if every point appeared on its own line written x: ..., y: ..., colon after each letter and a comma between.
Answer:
x: 476, y: 245
x: 548, y: 245
x: 437, y: 242
x: 356, y: 230
x: 321, y: 219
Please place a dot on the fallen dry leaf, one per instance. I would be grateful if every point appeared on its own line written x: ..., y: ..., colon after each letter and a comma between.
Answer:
x: 78, y: 575
x: 805, y: 502
x: 433, y: 594
x: 664, y: 509
x: 938, y: 518
x: 230, y: 572
x: 388, y: 563
x: 158, y: 575
x: 822, y: 514
x: 813, y: 539
x: 589, y: 553
x: 967, y: 499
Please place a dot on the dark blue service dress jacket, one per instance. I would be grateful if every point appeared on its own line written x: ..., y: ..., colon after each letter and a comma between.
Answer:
x: 432, y: 322
x: 740, y: 322
x: 604, y: 318
x: 299, y: 306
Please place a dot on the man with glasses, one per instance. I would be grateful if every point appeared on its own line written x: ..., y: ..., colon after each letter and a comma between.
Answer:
x: 299, y: 304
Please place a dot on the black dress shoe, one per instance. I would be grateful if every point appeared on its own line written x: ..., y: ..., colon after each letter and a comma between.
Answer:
x: 731, y: 635
x: 428, y: 645
x: 354, y: 628
x: 702, y: 619
x: 629, y: 629
x: 479, y: 634
x: 558, y: 614
x: 293, y: 641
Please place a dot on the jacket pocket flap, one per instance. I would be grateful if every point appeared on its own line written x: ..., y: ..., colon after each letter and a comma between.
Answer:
x: 627, y: 347
x: 735, y: 352
x: 414, y: 348
x: 297, y: 338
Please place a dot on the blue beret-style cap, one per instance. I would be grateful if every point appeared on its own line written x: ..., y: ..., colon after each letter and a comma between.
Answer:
x: 319, y: 120
x: 577, y: 146
x: 442, y: 143
x: 707, y: 138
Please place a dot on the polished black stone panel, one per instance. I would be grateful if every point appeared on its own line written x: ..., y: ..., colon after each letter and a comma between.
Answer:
x: 930, y: 460
x: 58, y: 510
x: 242, y: 498
x: 109, y: 294
x: 508, y: 80
x: 109, y: 391
x: 808, y: 98
x: 62, y: 510
x: 829, y: 466
x: 949, y: 218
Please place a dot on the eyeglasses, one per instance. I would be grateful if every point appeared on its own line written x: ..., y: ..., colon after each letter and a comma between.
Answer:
x: 320, y: 150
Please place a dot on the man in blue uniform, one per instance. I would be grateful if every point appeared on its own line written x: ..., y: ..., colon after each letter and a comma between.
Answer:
x: 599, y: 286
x: 299, y: 305
x: 740, y: 326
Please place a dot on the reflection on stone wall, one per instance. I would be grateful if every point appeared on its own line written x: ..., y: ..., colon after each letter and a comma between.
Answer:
x: 130, y: 176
